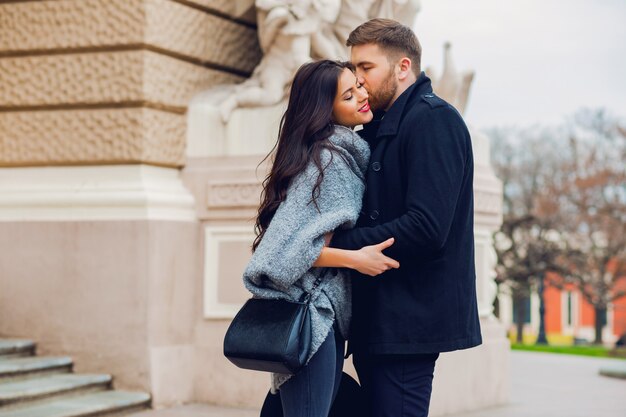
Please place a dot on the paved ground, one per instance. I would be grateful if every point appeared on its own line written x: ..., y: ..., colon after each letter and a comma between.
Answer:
x: 549, y: 385
x: 543, y: 385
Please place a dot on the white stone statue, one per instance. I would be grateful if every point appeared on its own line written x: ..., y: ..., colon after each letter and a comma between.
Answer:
x: 292, y: 32
x: 453, y: 86
x: 331, y: 39
x: 404, y: 11
x: 285, y: 30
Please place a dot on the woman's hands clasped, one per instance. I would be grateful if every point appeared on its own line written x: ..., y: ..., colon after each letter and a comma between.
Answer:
x: 371, y: 260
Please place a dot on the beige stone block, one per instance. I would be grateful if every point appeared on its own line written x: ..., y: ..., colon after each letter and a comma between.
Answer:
x: 77, y: 289
x: 98, y: 136
x: 241, y: 10
x: 105, y: 77
x: 173, y: 27
x: 201, y: 36
x: 172, y: 375
x: 65, y: 24
x: 175, y: 82
x: 218, y: 381
x: 88, y: 78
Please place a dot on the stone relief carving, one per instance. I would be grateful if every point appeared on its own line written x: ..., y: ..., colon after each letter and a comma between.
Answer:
x: 292, y: 32
x: 285, y: 31
x: 330, y: 41
x: 232, y: 194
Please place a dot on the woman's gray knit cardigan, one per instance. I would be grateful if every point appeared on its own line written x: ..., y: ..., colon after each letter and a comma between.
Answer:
x: 282, y: 265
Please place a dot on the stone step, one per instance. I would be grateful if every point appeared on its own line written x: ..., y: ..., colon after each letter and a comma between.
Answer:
x: 12, y: 348
x: 25, y: 368
x: 17, y: 393
x: 95, y: 404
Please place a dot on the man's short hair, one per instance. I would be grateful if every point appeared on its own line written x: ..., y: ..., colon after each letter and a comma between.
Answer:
x: 392, y: 37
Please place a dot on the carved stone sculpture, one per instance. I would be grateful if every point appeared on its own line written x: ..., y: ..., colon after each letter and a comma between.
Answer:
x: 285, y: 30
x: 293, y: 32
x: 453, y: 86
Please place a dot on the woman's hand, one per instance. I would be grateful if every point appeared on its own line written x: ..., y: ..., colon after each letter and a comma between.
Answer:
x: 368, y: 260
x: 371, y: 260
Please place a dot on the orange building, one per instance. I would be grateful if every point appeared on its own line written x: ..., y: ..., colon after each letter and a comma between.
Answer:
x: 568, y: 316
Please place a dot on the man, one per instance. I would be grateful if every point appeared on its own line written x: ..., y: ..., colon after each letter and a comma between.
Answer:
x: 419, y: 191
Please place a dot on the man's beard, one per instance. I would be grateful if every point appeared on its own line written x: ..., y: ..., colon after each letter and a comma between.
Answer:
x: 381, y: 99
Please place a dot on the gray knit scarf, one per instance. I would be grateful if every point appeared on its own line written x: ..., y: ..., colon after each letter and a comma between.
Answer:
x: 282, y: 265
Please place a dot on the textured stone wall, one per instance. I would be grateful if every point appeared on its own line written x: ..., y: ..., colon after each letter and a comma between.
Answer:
x: 108, y: 81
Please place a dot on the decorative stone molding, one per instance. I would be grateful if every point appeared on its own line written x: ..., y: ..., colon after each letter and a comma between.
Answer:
x: 487, y: 187
x: 226, y: 188
x: 115, y: 192
x: 70, y: 137
x: 486, y: 258
x: 167, y: 25
x: 109, y: 77
x: 488, y: 202
x: 226, y: 252
x: 232, y: 194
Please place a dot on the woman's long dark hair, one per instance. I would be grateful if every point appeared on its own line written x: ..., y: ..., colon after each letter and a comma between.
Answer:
x: 304, y: 131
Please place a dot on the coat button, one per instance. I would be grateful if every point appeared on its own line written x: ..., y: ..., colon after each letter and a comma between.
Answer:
x: 374, y: 214
x: 376, y: 166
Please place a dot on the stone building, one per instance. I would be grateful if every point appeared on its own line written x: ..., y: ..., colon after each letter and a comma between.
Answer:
x: 126, y: 205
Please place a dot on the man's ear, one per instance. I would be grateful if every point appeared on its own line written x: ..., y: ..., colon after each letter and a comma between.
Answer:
x: 404, y: 68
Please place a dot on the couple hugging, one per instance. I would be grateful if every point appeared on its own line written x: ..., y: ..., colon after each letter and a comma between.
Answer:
x: 378, y: 225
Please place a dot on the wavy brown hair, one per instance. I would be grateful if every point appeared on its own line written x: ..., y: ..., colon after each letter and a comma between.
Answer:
x: 304, y: 131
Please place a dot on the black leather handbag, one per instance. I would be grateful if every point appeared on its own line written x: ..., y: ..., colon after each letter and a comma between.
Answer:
x: 270, y: 335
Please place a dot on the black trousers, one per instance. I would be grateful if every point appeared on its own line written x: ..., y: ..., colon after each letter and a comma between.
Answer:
x: 396, y: 385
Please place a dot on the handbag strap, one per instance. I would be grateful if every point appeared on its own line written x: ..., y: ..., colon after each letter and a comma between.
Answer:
x: 306, y: 297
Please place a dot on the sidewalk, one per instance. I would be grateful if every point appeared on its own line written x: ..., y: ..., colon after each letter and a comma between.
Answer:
x: 543, y: 385
x: 551, y: 385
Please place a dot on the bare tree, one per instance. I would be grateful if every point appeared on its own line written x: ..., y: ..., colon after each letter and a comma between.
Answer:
x: 564, y: 209
x: 527, y: 244
x: 590, y: 191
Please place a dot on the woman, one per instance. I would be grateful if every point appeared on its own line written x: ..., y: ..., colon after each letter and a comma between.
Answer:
x: 315, y: 185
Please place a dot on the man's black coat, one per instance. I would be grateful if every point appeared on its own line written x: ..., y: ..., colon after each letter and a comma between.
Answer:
x: 419, y: 191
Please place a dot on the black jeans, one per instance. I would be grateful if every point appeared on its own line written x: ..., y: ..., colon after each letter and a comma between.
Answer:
x: 396, y: 385
x: 311, y: 392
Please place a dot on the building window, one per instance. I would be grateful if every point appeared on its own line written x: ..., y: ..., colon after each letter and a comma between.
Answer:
x: 569, y: 311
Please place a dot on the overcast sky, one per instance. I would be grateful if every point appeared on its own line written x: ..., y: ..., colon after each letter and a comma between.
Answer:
x: 536, y: 61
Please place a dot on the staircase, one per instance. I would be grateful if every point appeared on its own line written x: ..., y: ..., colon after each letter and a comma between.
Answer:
x: 33, y: 386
